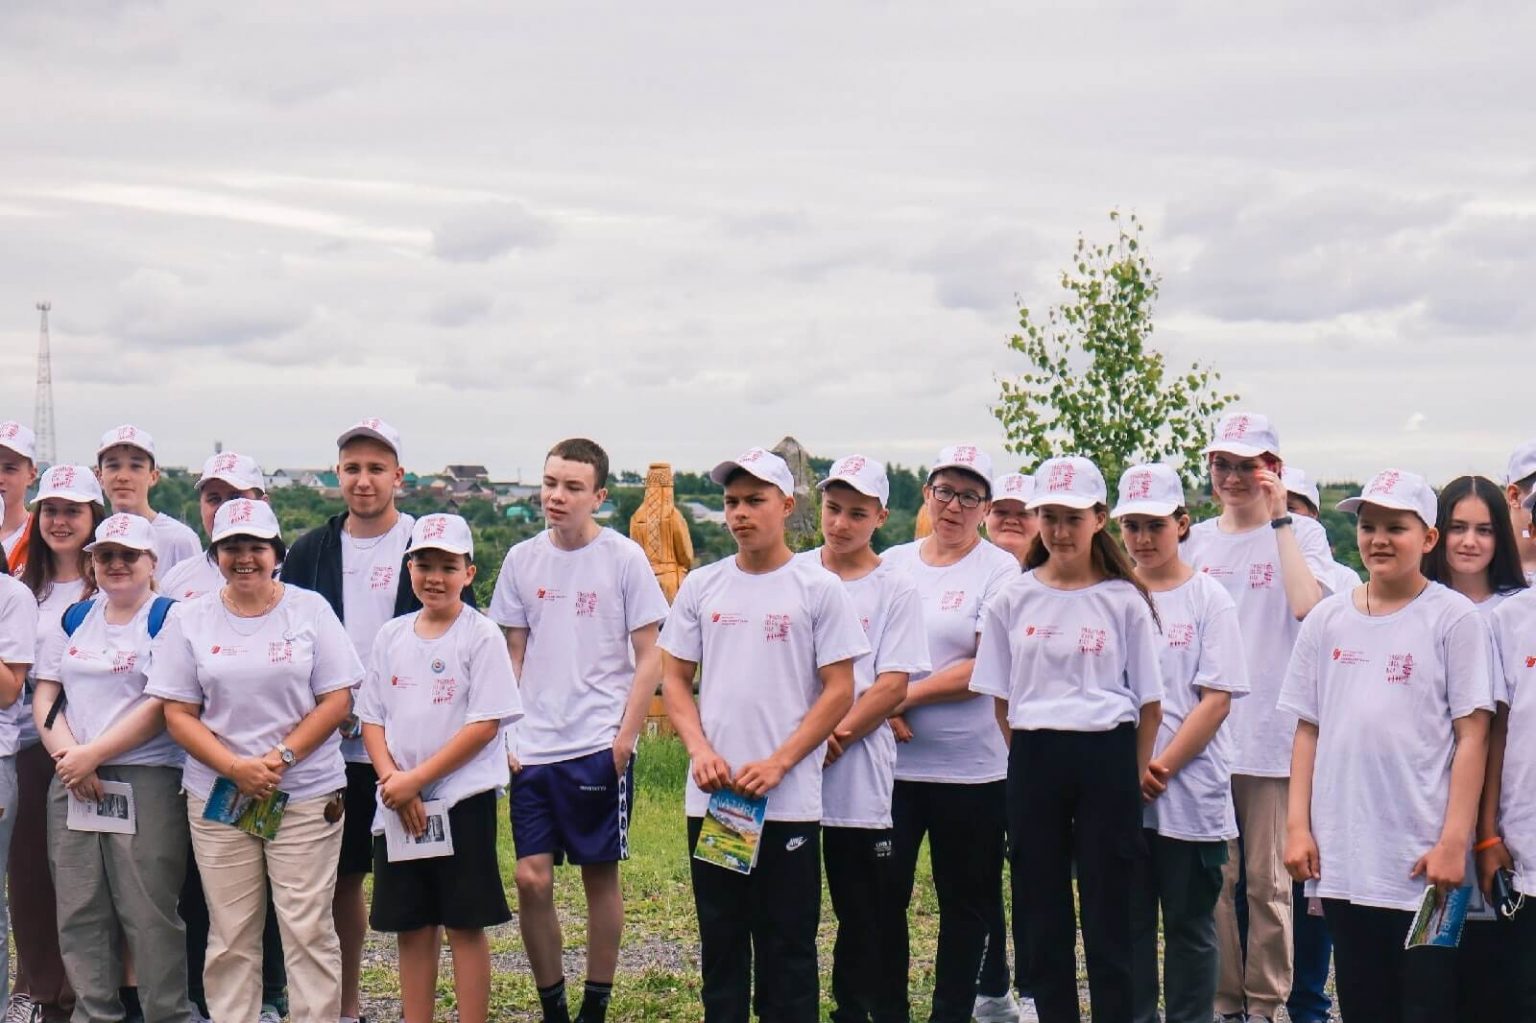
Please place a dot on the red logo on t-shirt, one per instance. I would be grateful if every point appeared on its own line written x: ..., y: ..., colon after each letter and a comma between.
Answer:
x: 123, y: 661
x: 1180, y: 635
x: 1042, y: 631
x: 280, y: 652
x: 382, y: 576
x: 1260, y: 575
x: 1062, y: 475
x: 545, y: 593
x: 1399, y: 669
x: 1091, y: 641
x: 1530, y: 662
x: 952, y: 600
x: 776, y: 628
x: 864, y: 624
x: 727, y: 618
x: 443, y: 689
x: 586, y: 603
x: 1350, y: 656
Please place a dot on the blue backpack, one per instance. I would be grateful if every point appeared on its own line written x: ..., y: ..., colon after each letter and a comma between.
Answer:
x: 75, y: 614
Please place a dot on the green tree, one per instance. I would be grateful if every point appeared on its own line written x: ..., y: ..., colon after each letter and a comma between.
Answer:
x: 1094, y: 387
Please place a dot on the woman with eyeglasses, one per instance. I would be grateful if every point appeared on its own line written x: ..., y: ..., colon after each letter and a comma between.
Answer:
x: 950, y: 760
x: 110, y: 749
x: 1270, y: 563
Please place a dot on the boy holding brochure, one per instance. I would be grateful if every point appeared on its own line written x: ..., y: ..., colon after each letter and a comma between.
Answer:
x: 438, y: 690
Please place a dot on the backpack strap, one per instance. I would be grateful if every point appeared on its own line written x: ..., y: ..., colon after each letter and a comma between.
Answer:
x: 158, y: 611
x: 74, y: 615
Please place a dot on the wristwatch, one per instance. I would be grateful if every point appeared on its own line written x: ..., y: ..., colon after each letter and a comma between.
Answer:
x: 1284, y: 520
x: 289, y: 757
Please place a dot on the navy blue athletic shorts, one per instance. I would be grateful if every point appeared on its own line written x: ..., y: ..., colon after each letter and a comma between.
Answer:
x: 576, y: 810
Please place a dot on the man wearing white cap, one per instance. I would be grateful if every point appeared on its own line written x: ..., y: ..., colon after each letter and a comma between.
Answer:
x: 775, y: 639
x: 125, y: 464
x: 18, y: 471
x: 1519, y: 485
x: 225, y: 476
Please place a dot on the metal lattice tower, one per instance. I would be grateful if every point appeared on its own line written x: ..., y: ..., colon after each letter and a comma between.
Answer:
x: 43, y: 412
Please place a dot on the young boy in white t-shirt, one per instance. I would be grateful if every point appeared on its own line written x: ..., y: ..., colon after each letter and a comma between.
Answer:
x: 774, y: 640
x: 125, y: 464
x: 436, y: 696
x: 18, y: 471
x: 580, y: 606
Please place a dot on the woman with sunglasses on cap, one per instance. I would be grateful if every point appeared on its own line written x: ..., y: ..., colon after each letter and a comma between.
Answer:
x: 1069, y: 651
x: 1392, y: 685
x: 18, y: 639
x: 91, y: 665
x: 1187, y: 788
x: 1010, y: 522
x: 1273, y: 565
x: 256, y: 679
x: 65, y: 513
x: 950, y: 759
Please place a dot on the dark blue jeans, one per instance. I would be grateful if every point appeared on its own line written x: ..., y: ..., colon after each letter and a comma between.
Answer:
x: 1309, y: 1002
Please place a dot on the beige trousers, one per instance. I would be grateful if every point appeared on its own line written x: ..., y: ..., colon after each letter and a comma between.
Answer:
x: 301, y: 864
x: 1261, y: 984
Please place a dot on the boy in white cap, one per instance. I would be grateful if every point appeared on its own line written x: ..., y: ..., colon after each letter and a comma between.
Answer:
x: 775, y: 640
x: 1519, y: 485
x: 435, y: 698
x: 18, y: 471
x: 1011, y: 524
x: 1393, y: 687
x: 225, y: 476
x: 581, y: 609
x: 869, y: 976
x: 125, y: 464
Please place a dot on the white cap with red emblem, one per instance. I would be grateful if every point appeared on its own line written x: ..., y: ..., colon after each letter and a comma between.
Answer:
x: 1072, y: 481
x: 759, y: 462
x: 1399, y: 490
x: 865, y: 475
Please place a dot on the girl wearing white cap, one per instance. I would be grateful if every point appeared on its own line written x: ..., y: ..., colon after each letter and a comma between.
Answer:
x: 1272, y: 564
x: 65, y: 513
x: 1011, y: 524
x: 1393, y: 686
x: 1187, y: 788
x: 438, y: 692
x: 256, y: 677
x: 950, y: 760
x: 18, y: 638
x: 1070, y: 653
x: 91, y: 664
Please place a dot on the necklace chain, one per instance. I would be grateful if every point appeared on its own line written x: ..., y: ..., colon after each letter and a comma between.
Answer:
x: 233, y: 613
x: 1410, y: 600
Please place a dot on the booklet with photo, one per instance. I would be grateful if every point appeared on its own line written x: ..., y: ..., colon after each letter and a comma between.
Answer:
x: 732, y: 831
x: 113, y: 812
x: 436, y: 839
x: 1439, y: 920
x: 259, y: 817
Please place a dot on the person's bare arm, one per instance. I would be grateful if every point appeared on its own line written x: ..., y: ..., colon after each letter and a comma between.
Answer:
x: 868, y: 712
x: 12, y: 676
x: 251, y: 775
x: 761, y: 776
x: 949, y: 684
x: 1495, y: 857
x: 710, y: 771
x: 647, y: 677
x: 517, y: 647
x: 1147, y: 724
x: 1302, y: 858
x: 1194, y: 735
x: 1445, y: 865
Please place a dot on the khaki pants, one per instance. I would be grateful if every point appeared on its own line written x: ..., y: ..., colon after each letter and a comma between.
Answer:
x: 301, y: 865
x: 1260, y: 984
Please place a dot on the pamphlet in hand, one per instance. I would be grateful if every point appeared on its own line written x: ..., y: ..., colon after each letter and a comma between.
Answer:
x: 114, y: 812
x: 436, y: 839
x: 732, y: 831
x: 1439, y: 920
x: 259, y: 817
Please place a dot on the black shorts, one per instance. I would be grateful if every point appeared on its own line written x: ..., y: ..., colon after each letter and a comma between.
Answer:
x: 463, y: 891
x: 357, y: 825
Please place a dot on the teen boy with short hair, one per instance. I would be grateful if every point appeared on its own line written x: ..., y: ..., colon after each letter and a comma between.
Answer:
x: 18, y: 471
x: 580, y: 606
x: 125, y: 465
x: 775, y: 639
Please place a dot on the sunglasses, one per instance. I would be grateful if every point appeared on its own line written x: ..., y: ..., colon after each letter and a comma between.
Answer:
x: 106, y: 557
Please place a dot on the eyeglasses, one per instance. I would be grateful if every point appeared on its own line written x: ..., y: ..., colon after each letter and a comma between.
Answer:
x: 967, y: 498
x: 106, y: 557
x: 1222, y: 467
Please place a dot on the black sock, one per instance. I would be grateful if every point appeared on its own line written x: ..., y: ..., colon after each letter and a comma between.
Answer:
x: 130, y: 999
x: 594, y: 1003
x: 552, y: 1001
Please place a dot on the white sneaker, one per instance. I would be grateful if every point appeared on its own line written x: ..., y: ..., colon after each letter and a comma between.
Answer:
x: 20, y: 1009
x: 268, y: 1015
x: 996, y: 1008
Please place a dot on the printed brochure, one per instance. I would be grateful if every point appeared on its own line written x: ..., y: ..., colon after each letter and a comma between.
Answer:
x: 259, y: 817
x: 732, y: 831
x: 1439, y: 920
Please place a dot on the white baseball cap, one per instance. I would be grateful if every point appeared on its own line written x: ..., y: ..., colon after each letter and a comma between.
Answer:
x: 1244, y: 434
x: 443, y: 533
x: 239, y: 471
x: 1296, y: 482
x: 1399, y: 490
x: 1013, y: 486
x: 760, y: 462
x: 70, y: 483
x: 124, y: 530
x: 1151, y: 489
x: 1071, y: 481
x: 964, y: 456
x: 1522, y: 463
x: 245, y: 517
x: 129, y: 435
x: 866, y: 476
x: 19, y: 438
x: 375, y: 429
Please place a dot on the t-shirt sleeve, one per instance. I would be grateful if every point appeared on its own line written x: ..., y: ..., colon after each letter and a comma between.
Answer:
x: 904, y: 641
x: 992, y: 674
x: 1501, y: 666
x: 644, y: 603
x: 838, y: 634
x: 1143, y: 643
x: 370, y: 705
x: 1314, y: 547
x: 1468, y: 665
x: 49, y: 655
x: 1299, y: 691
x: 172, y: 665
x: 683, y: 636
x: 1223, y: 662
x: 336, y: 664
x: 997, y: 579
x: 18, y: 626
x: 493, y: 695
x: 506, y: 606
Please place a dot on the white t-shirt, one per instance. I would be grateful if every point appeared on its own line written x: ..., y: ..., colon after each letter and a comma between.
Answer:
x: 18, y: 642
x: 1202, y: 649
x: 1384, y: 692
x: 1247, y: 565
x: 579, y: 608
x: 423, y: 691
x: 1342, y: 579
x: 370, y: 583
x: 10, y: 541
x: 49, y: 610
x: 191, y: 578
x: 102, y: 668
x: 1068, y: 660
x: 174, y: 543
x: 856, y: 790
x: 1514, y: 631
x: 760, y: 641
x: 958, y: 741
x: 257, y: 679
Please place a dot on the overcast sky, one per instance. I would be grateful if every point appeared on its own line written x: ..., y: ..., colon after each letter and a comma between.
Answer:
x: 686, y: 228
